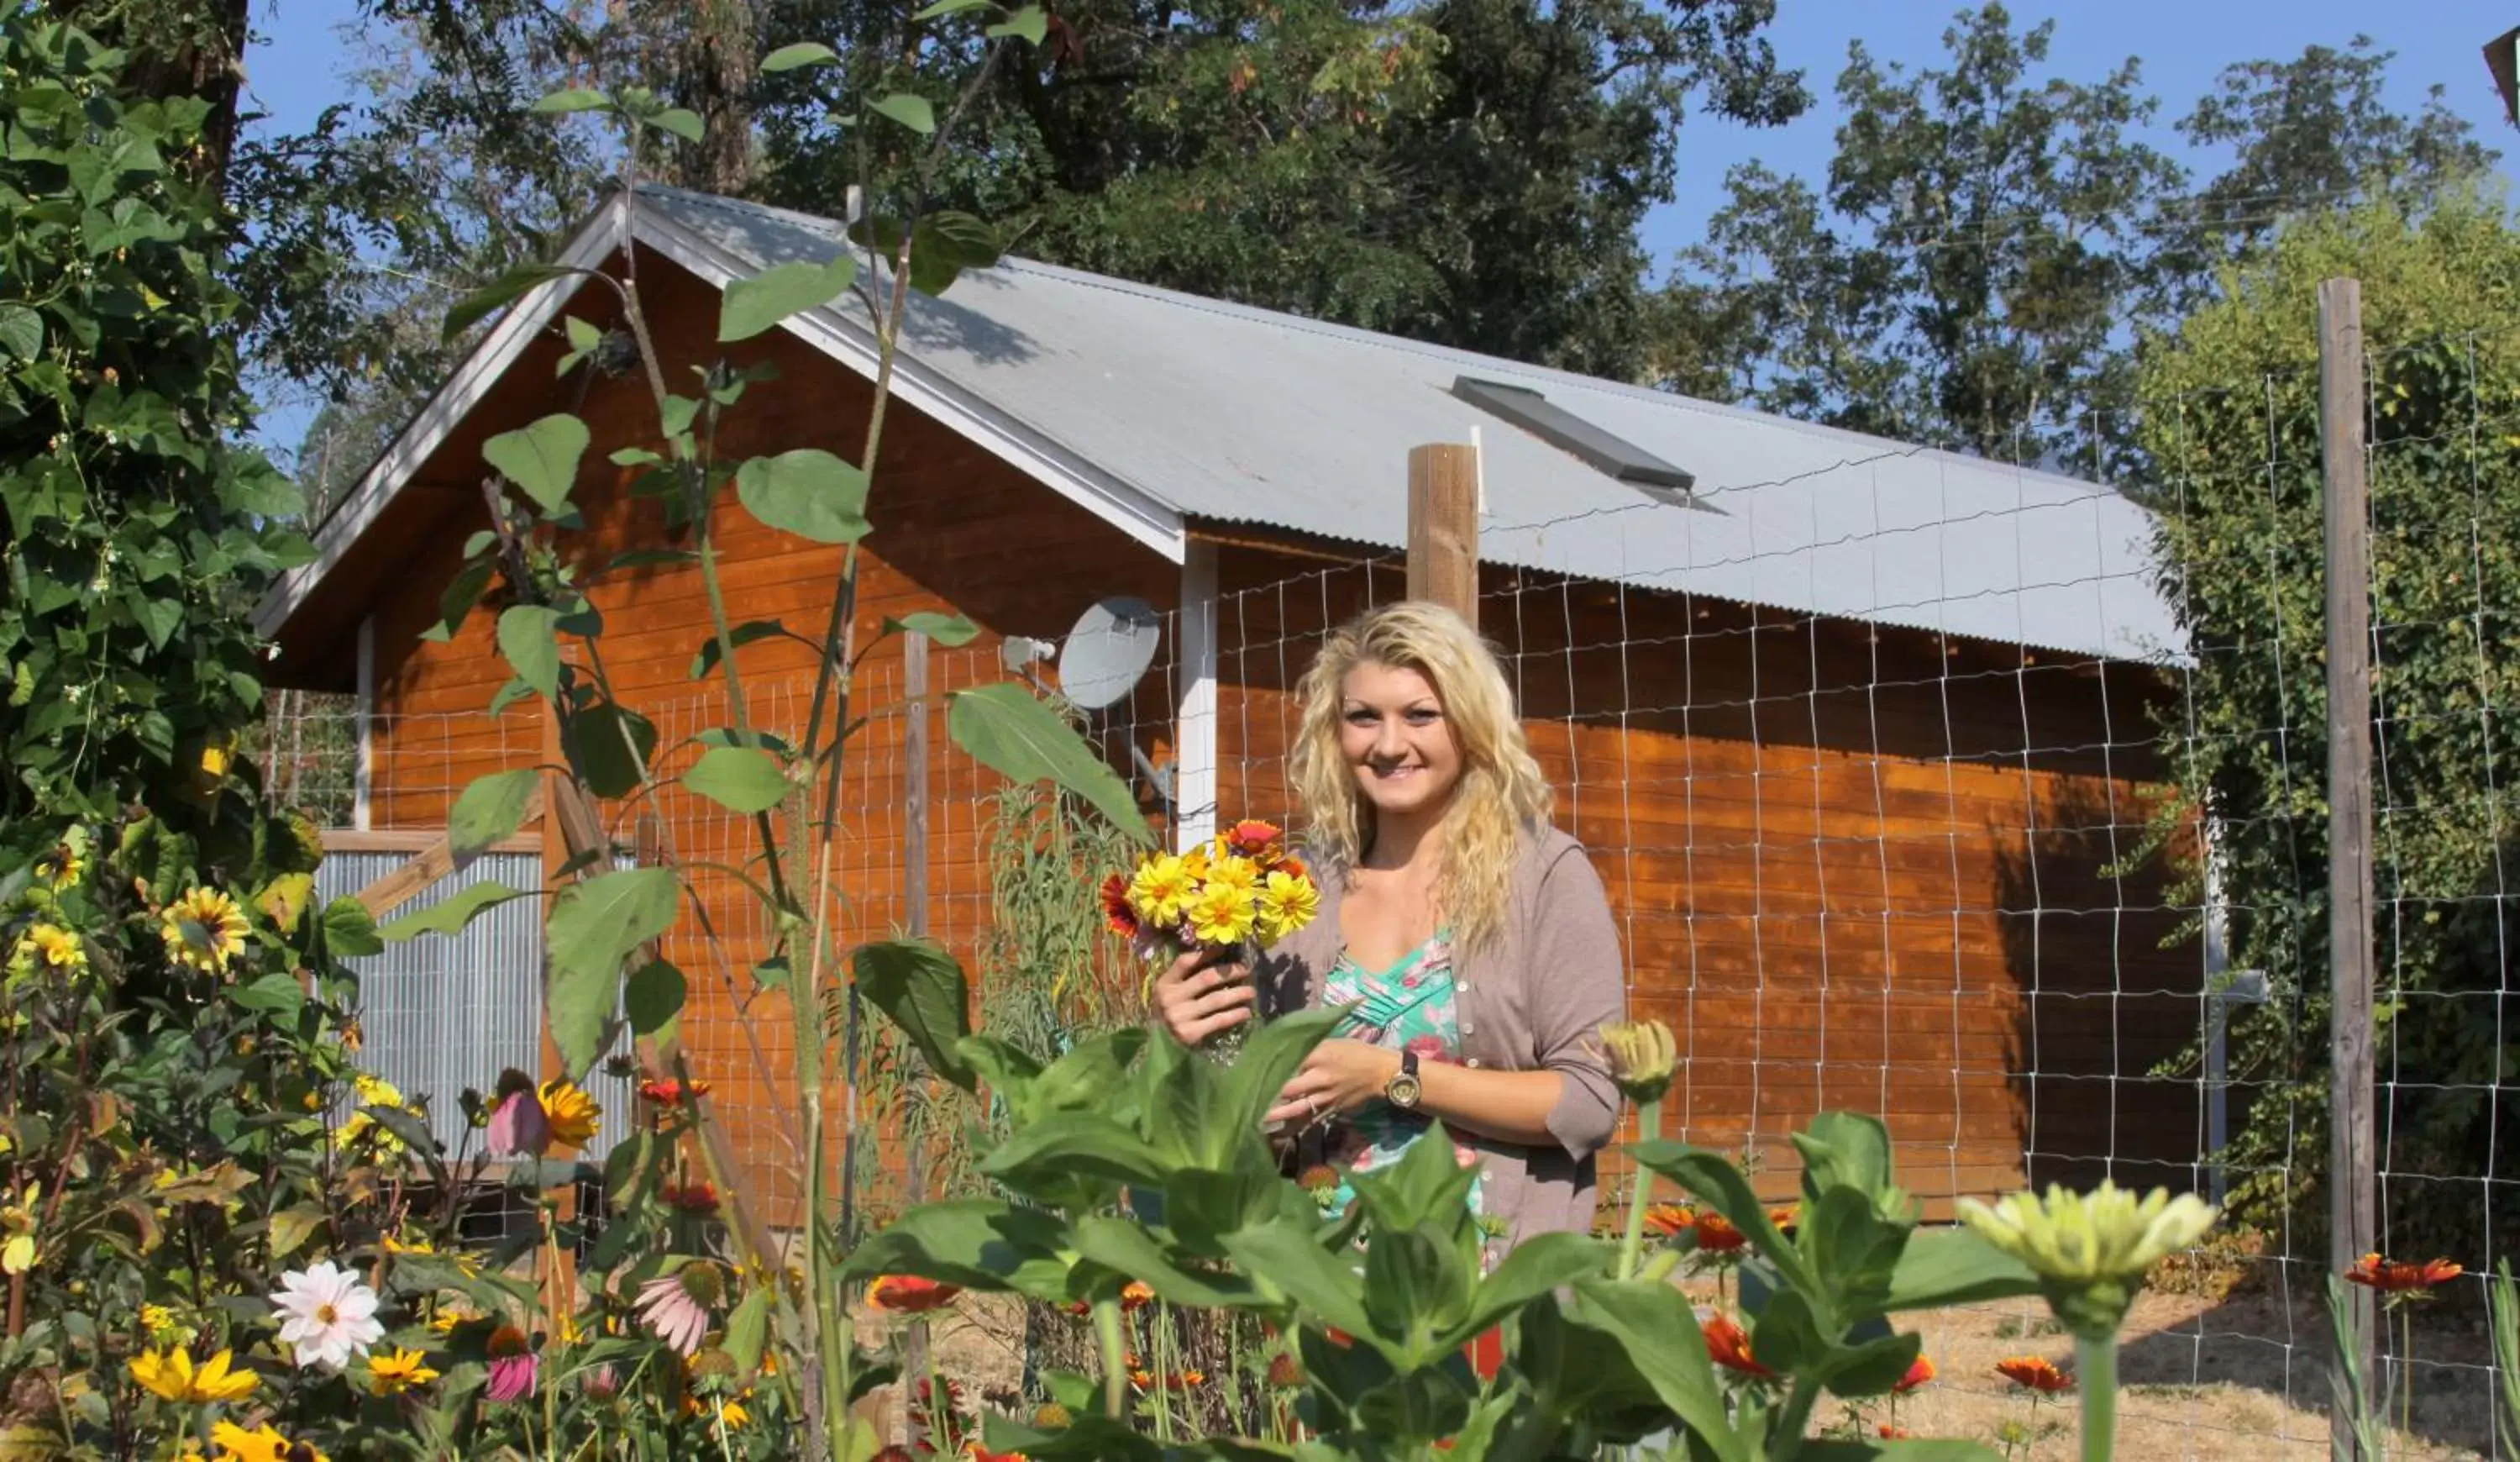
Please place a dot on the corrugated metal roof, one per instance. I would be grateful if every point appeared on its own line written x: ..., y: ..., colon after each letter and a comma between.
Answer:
x: 1237, y: 415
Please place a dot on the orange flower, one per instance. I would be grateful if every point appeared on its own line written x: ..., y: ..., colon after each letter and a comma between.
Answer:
x: 1785, y: 1217
x: 1142, y: 1379
x: 2392, y: 1278
x: 1136, y: 1295
x: 1116, y: 912
x: 1729, y: 1345
x: 1917, y: 1375
x: 1717, y: 1235
x: 1890, y: 1433
x: 2035, y: 1373
x: 910, y: 1295
x: 1670, y: 1220
x: 692, y: 1198
x: 671, y: 1091
x: 975, y: 1452
x: 1253, y: 838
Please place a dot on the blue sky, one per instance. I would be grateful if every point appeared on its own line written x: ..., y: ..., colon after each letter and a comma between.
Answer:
x: 293, y: 72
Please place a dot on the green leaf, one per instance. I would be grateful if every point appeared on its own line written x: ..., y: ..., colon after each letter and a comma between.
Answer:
x: 746, y: 1329
x: 681, y: 121
x: 291, y: 1227
x: 1011, y: 731
x: 909, y: 109
x: 1657, y: 1326
x: 1068, y: 1143
x: 653, y: 997
x: 571, y: 99
x: 594, y: 927
x: 1289, y: 1260
x: 1844, y: 1149
x: 455, y: 606
x: 595, y: 746
x: 1124, y: 1247
x: 921, y: 989
x: 1031, y: 23
x: 948, y: 7
x: 350, y: 930
x: 739, y: 779
x: 1947, y: 1267
x: 541, y: 459
x: 1715, y: 1181
x: 752, y: 305
x: 277, y: 994
x: 978, y: 1243
x: 1534, y: 1269
x: 515, y: 283
x: 22, y: 331
x: 449, y: 915
x: 949, y: 630
x: 493, y: 808
x: 808, y: 492
x: 805, y: 53
x: 532, y: 646
x: 739, y: 636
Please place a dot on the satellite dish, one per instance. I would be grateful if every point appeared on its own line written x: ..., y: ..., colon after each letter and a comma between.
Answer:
x: 1105, y: 656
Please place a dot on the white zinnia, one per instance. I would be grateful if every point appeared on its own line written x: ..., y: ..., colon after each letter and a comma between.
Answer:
x: 327, y: 1313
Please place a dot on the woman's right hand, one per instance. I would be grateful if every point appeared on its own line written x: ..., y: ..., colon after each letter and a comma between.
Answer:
x: 1197, y: 1000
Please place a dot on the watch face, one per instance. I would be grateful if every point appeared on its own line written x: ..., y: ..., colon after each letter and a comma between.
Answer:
x: 1403, y: 1091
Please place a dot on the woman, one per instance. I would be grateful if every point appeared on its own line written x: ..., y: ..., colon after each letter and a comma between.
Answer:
x: 1470, y: 935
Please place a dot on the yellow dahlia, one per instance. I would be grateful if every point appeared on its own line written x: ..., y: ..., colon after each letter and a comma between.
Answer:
x: 1162, y: 887
x: 1222, y: 914
x: 1288, y: 902
x: 203, y: 929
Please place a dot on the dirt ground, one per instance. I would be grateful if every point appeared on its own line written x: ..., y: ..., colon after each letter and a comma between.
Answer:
x: 2242, y: 1378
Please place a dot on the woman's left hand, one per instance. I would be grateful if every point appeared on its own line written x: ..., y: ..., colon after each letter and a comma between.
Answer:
x: 1341, y: 1075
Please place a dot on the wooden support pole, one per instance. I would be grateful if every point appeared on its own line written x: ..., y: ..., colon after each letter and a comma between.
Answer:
x: 2353, y: 1169
x: 1444, y: 527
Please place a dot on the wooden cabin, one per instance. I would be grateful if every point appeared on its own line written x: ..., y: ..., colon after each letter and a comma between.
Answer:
x: 1859, y: 735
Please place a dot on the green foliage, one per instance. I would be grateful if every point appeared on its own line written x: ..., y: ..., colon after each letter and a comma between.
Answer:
x: 2231, y: 413
x: 135, y: 537
x: 1994, y: 235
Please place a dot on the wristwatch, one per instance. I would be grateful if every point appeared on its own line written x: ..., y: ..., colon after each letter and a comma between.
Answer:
x: 1404, y: 1088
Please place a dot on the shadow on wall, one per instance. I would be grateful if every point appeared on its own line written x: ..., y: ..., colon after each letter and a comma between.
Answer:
x: 2106, y: 989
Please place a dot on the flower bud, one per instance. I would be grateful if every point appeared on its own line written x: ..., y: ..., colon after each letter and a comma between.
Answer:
x: 1643, y: 1057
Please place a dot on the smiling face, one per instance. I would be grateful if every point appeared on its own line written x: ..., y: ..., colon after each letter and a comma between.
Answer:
x: 1396, y: 741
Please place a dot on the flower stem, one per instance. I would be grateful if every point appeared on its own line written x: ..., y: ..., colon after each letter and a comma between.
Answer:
x: 2095, y: 1365
x: 1115, y: 1370
x: 1785, y: 1436
x: 1640, y: 1190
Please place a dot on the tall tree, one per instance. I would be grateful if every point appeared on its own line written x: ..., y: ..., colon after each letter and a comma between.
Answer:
x: 1466, y: 171
x: 1992, y: 240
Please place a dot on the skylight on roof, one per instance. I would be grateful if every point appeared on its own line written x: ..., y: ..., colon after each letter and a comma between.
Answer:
x: 1611, y: 454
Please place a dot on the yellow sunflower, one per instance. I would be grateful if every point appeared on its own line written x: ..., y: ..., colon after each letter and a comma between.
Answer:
x: 1162, y: 887
x: 57, y: 948
x: 62, y: 867
x: 173, y: 1376
x: 570, y: 1112
x: 398, y: 1372
x: 203, y: 929
x: 1222, y: 914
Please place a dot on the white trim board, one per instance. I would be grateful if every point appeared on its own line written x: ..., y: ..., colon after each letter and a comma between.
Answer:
x: 1195, y: 780
x: 1143, y: 516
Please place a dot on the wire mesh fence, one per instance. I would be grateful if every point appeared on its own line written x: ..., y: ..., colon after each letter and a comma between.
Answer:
x: 1967, y: 793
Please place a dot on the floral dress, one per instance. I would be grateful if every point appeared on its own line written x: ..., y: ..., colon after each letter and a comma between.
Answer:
x: 1408, y: 1007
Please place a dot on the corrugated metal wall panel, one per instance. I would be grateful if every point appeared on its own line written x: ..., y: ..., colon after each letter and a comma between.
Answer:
x: 441, y: 1014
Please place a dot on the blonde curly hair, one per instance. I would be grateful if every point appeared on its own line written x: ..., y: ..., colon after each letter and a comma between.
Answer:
x: 1501, y: 793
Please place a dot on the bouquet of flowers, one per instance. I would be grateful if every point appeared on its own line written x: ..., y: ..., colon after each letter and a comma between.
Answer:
x: 1240, y: 890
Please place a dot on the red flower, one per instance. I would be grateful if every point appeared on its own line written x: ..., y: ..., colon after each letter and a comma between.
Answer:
x: 910, y: 1295
x: 2035, y: 1373
x: 1890, y: 1433
x: 978, y: 1453
x: 1717, y: 1235
x: 1285, y: 1371
x: 1252, y: 837
x: 1670, y: 1220
x: 1917, y: 1375
x: 670, y: 1091
x: 1729, y: 1345
x: 2392, y: 1278
x: 692, y: 1198
x: 1115, y: 907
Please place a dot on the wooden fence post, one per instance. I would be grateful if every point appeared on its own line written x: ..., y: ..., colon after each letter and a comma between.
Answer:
x: 1444, y: 527
x: 2353, y: 1172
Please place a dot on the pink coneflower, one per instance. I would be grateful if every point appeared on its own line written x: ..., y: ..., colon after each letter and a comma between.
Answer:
x: 513, y: 1366
x: 521, y: 1127
x: 676, y: 1306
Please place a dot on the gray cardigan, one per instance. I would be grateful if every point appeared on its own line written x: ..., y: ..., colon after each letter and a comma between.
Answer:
x: 1534, y: 999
